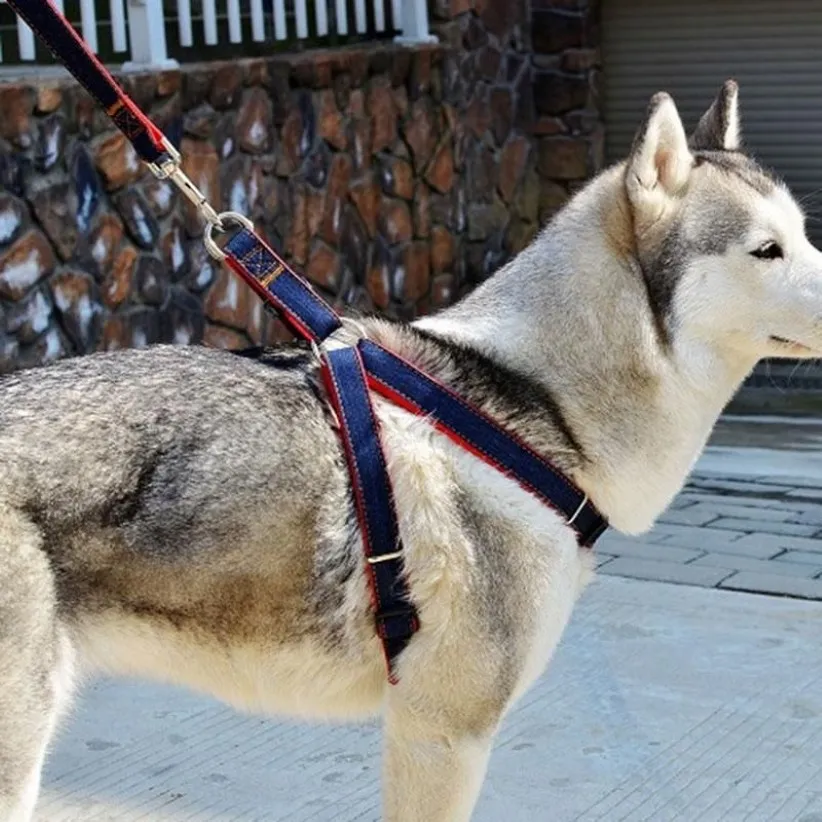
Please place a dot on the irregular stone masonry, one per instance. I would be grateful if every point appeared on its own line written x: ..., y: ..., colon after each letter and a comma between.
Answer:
x: 395, y: 178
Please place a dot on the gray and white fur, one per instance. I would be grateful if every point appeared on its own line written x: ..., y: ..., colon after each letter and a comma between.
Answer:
x: 185, y: 514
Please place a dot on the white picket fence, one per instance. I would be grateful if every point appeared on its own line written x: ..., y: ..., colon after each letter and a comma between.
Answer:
x: 138, y: 26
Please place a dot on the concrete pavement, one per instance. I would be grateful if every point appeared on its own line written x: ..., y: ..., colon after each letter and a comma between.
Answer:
x: 665, y: 702
x: 750, y: 517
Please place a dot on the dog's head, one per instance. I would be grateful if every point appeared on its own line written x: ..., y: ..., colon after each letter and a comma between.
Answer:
x: 720, y: 241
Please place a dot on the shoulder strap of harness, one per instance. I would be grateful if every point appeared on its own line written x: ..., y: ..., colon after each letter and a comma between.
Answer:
x: 407, y: 386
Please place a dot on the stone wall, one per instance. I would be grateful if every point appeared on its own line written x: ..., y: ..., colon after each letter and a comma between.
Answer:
x: 396, y: 179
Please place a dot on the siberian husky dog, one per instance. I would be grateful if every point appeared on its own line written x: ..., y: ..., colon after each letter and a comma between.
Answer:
x: 186, y: 514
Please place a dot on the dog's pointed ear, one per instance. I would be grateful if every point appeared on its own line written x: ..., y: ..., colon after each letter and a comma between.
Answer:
x: 660, y: 161
x: 718, y: 129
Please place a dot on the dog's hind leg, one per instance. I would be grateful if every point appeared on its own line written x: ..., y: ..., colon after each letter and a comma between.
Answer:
x: 434, y: 761
x: 35, y: 664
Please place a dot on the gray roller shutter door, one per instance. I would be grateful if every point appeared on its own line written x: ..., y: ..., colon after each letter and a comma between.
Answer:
x: 688, y: 47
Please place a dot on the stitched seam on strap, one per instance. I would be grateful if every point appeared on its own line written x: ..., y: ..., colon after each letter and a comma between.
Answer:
x: 482, y: 417
x: 491, y: 459
x: 256, y: 263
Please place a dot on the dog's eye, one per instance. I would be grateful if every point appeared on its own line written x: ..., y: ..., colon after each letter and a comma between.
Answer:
x: 768, y: 251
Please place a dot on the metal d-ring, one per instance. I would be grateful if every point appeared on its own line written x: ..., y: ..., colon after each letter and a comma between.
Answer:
x: 226, y: 218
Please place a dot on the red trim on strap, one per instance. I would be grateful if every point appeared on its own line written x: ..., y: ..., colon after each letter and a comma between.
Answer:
x: 388, y: 392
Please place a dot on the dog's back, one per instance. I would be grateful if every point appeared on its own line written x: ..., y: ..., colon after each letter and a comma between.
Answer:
x: 119, y: 428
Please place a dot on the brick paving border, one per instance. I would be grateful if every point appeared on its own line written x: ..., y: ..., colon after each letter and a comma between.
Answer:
x: 741, y: 533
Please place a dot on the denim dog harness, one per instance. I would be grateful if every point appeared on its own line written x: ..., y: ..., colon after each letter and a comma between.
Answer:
x: 350, y: 374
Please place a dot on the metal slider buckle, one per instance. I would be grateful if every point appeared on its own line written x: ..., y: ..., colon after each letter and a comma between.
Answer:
x: 333, y: 341
x: 579, y: 510
x: 383, y: 558
x: 173, y: 159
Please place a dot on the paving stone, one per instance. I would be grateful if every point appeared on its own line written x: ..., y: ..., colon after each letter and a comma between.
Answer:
x: 799, y: 558
x: 737, y: 562
x: 701, y: 538
x: 795, y: 482
x: 660, y: 571
x: 746, y: 512
x: 709, y: 474
x: 757, y: 546
x: 613, y: 542
x: 644, y: 550
x: 805, y: 493
x: 786, y: 528
x: 772, y: 583
x: 672, y: 529
x: 693, y: 515
x: 706, y: 495
x: 681, y: 502
x: 775, y: 544
x: 745, y: 503
x: 806, y: 517
x: 740, y: 486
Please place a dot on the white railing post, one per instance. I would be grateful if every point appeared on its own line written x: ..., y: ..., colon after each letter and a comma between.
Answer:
x: 118, y: 25
x: 88, y: 23
x: 413, y: 22
x: 184, y: 23
x: 147, y: 30
x: 25, y: 40
x: 280, y: 27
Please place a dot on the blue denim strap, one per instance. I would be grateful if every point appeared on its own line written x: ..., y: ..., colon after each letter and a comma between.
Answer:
x: 395, y: 616
x: 301, y: 308
x: 414, y: 390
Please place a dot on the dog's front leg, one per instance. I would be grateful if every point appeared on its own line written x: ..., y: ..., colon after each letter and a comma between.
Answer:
x: 35, y: 664
x: 434, y: 764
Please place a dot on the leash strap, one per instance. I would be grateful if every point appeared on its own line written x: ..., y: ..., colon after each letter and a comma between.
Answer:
x: 407, y: 386
x: 306, y: 314
x: 347, y: 387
